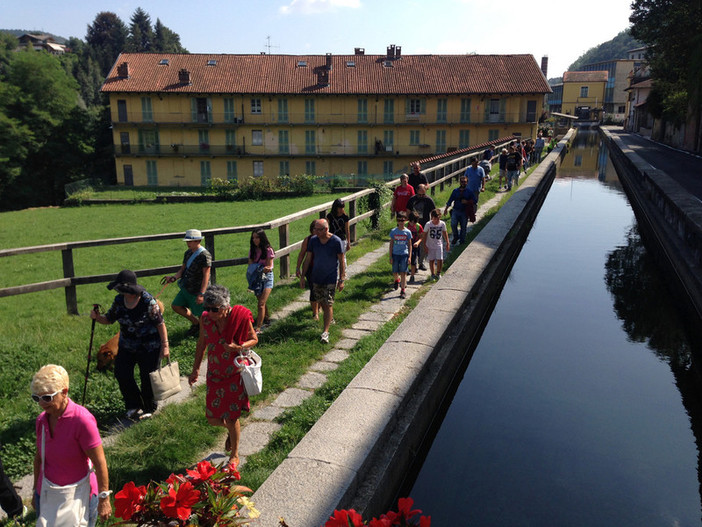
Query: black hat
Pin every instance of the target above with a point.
(126, 282)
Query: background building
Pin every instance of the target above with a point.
(182, 120)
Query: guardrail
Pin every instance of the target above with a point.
(438, 175)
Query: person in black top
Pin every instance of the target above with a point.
(339, 224)
(416, 178)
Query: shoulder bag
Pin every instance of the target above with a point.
(250, 370)
(166, 380)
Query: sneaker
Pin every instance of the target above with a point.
(333, 321)
(396, 285)
(132, 413)
(325, 337)
(433, 277)
(411, 280)
(437, 277)
(147, 415)
(402, 294)
(422, 267)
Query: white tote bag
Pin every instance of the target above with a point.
(251, 372)
(63, 505)
(166, 380)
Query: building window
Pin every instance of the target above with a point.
(415, 106)
(362, 110)
(310, 168)
(621, 109)
(387, 168)
(463, 138)
(309, 111)
(441, 110)
(282, 110)
(440, 141)
(258, 168)
(584, 91)
(310, 142)
(203, 137)
(389, 111)
(229, 110)
(283, 142)
(362, 168)
(388, 140)
(494, 110)
(148, 141)
(232, 172)
(151, 174)
(124, 142)
(362, 142)
(230, 140)
(493, 135)
(256, 106)
(147, 113)
(257, 137)
(284, 168)
(205, 173)
(122, 111)
(465, 110)
(414, 137)
(201, 109)
(128, 176)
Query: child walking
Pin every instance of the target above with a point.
(417, 232)
(400, 252)
(434, 234)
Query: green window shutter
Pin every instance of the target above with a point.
(193, 109)
(423, 106)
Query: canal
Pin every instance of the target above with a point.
(580, 404)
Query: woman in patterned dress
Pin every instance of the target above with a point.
(225, 332)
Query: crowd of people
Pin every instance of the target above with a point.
(69, 452)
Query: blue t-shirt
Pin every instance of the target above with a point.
(475, 180)
(401, 238)
(326, 259)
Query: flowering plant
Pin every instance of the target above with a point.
(402, 518)
(207, 496)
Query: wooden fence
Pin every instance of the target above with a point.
(438, 176)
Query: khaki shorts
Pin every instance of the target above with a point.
(324, 293)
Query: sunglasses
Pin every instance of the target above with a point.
(213, 309)
(47, 398)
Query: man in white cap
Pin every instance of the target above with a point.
(193, 278)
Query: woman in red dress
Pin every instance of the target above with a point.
(225, 332)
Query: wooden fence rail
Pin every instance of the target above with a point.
(438, 176)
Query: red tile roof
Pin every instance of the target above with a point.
(280, 74)
(585, 76)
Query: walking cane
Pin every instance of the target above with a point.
(96, 307)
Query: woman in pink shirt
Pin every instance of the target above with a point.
(68, 448)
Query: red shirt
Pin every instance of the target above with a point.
(402, 196)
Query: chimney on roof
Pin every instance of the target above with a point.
(398, 52)
(123, 70)
(184, 77)
(322, 77)
(544, 65)
(329, 61)
(359, 51)
(391, 52)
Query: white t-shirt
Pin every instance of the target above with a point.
(435, 233)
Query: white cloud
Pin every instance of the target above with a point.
(308, 7)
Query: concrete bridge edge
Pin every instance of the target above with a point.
(358, 452)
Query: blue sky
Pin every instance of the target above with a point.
(562, 30)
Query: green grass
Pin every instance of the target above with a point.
(36, 331)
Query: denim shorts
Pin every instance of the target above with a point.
(268, 280)
(399, 263)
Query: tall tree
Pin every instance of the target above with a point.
(165, 40)
(141, 35)
(106, 36)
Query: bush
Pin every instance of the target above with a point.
(223, 188)
(76, 199)
(254, 189)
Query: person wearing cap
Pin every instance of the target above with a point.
(193, 278)
(143, 341)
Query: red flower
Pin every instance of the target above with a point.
(128, 501)
(203, 473)
(404, 507)
(175, 478)
(179, 504)
(425, 521)
(383, 521)
(345, 518)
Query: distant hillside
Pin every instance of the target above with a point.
(20, 32)
(611, 50)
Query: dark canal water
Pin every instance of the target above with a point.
(580, 405)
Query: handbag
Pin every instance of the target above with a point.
(250, 370)
(166, 380)
(63, 505)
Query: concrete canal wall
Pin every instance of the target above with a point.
(358, 452)
(668, 215)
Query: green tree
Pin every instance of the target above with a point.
(614, 49)
(106, 37)
(673, 31)
(141, 35)
(165, 40)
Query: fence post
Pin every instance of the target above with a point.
(283, 237)
(352, 214)
(210, 246)
(69, 272)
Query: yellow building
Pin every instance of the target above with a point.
(584, 93)
(182, 120)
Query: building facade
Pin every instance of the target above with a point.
(584, 93)
(615, 95)
(183, 120)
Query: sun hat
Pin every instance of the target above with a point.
(192, 235)
(126, 282)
